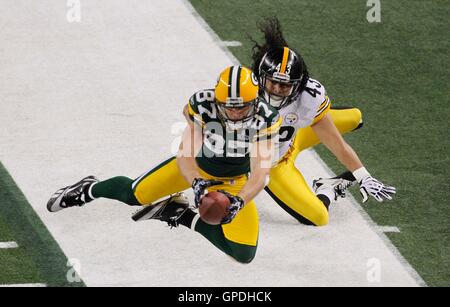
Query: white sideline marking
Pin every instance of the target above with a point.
(386, 229)
(231, 44)
(210, 31)
(6, 245)
(24, 286)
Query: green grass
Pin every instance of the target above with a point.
(15, 266)
(38, 259)
(397, 73)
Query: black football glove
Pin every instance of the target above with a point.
(199, 186)
(236, 204)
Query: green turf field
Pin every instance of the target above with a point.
(396, 72)
(38, 259)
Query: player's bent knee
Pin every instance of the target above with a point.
(321, 219)
(242, 253)
(357, 119)
(244, 259)
(349, 117)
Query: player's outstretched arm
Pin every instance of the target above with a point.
(330, 136)
(191, 143)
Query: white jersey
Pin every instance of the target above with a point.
(309, 107)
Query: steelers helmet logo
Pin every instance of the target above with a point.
(291, 118)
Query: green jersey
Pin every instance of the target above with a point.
(226, 153)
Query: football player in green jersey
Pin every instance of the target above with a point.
(228, 145)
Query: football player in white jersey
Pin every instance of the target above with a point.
(308, 119)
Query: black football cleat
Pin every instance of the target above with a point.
(73, 195)
(168, 210)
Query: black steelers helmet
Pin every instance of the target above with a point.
(284, 66)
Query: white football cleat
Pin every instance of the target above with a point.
(338, 186)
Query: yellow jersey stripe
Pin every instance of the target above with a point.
(285, 60)
(323, 106)
(272, 129)
(320, 117)
(195, 116)
(324, 112)
(190, 110)
(323, 103)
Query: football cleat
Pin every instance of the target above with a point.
(168, 210)
(338, 185)
(73, 195)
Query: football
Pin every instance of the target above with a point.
(214, 207)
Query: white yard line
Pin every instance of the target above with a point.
(7, 245)
(386, 229)
(61, 93)
(23, 286)
(231, 44)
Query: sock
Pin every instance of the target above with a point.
(347, 176)
(118, 188)
(325, 199)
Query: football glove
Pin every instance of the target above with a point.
(236, 204)
(199, 186)
(371, 186)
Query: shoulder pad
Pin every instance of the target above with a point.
(201, 98)
(268, 121)
(202, 106)
(267, 113)
(314, 92)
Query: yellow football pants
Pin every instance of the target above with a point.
(166, 179)
(287, 185)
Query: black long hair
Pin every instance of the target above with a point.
(274, 38)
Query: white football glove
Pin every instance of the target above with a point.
(371, 186)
